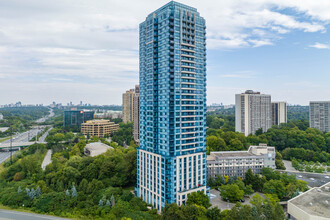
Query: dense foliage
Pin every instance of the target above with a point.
(298, 112)
(124, 135)
(73, 185)
(294, 139)
(282, 186)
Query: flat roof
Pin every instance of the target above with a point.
(224, 154)
(97, 146)
(315, 201)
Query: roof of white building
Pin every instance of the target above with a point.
(97, 148)
(315, 201)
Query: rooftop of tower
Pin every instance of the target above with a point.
(174, 3)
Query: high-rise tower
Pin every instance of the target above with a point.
(319, 115)
(171, 159)
(252, 112)
(279, 113)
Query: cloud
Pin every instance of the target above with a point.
(320, 46)
(96, 42)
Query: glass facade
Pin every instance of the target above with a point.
(171, 159)
(74, 118)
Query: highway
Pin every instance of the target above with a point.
(15, 215)
(43, 119)
(26, 137)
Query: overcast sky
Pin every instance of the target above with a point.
(87, 50)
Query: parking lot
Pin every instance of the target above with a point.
(217, 201)
(313, 179)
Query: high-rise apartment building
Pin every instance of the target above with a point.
(128, 106)
(252, 112)
(171, 159)
(319, 115)
(136, 120)
(279, 113)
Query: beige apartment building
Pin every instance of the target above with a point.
(128, 105)
(131, 110)
(98, 128)
(136, 114)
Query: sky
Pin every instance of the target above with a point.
(87, 50)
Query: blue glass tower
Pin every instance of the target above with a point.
(171, 159)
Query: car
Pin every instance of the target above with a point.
(216, 188)
(327, 177)
(241, 200)
(312, 179)
(300, 176)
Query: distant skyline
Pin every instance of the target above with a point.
(87, 50)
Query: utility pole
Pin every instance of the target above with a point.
(11, 145)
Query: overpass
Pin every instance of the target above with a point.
(17, 145)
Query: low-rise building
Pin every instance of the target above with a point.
(237, 163)
(1, 116)
(311, 205)
(98, 128)
(96, 148)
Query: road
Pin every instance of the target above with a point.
(15, 215)
(313, 179)
(43, 137)
(288, 165)
(43, 119)
(47, 160)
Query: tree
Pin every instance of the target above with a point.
(248, 190)
(172, 212)
(236, 144)
(231, 192)
(213, 213)
(259, 132)
(249, 178)
(240, 212)
(219, 180)
(198, 198)
(275, 187)
(217, 123)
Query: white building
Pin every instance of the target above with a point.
(279, 113)
(237, 163)
(311, 205)
(319, 115)
(1, 116)
(252, 112)
(96, 148)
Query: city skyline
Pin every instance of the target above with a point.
(68, 52)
